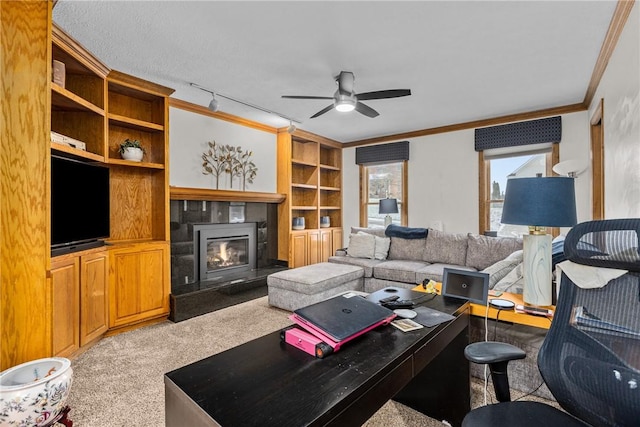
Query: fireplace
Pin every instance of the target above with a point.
(224, 250)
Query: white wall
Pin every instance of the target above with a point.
(620, 89)
(443, 178)
(188, 136)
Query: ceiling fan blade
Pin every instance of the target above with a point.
(366, 110)
(345, 82)
(306, 97)
(383, 94)
(321, 112)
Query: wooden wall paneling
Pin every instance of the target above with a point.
(25, 67)
(131, 203)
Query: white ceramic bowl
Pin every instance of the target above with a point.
(33, 393)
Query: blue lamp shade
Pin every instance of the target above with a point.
(540, 201)
(388, 206)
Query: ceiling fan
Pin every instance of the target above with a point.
(345, 98)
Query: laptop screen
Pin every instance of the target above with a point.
(468, 285)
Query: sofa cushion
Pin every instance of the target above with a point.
(398, 271)
(501, 268)
(366, 264)
(484, 251)
(445, 248)
(406, 249)
(435, 271)
(361, 245)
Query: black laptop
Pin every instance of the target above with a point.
(343, 316)
(467, 285)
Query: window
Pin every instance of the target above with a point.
(495, 171)
(378, 182)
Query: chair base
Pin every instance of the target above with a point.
(520, 413)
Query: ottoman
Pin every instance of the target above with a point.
(299, 287)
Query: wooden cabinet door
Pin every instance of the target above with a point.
(313, 247)
(65, 303)
(336, 239)
(325, 245)
(94, 297)
(298, 246)
(139, 283)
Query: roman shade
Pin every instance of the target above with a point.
(382, 153)
(548, 130)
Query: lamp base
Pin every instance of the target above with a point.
(387, 221)
(537, 269)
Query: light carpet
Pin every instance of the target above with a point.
(120, 380)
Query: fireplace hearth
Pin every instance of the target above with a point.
(226, 267)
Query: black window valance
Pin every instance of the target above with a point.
(383, 153)
(522, 133)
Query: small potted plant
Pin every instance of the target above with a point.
(131, 149)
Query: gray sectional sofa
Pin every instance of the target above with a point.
(409, 262)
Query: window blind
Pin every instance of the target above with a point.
(548, 130)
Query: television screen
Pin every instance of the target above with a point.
(79, 202)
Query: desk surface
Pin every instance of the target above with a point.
(265, 382)
(505, 315)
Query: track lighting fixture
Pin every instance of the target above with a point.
(214, 106)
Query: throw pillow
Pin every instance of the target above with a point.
(445, 248)
(382, 247)
(501, 268)
(361, 245)
(484, 251)
(406, 249)
(513, 282)
(375, 231)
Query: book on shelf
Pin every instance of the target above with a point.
(68, 141)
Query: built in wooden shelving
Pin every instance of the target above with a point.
(184, 193)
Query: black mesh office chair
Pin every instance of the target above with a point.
(590, 359)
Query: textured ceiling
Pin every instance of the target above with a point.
(462, 60)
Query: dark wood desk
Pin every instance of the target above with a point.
(268, 383)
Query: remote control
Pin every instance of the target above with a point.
(389, 299)
(399, 304)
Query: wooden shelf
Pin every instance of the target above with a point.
(75, 153)
(329, 167)
(303, 163)
(183, 193)
(136, 124)
(122, 162)
(303, 208)
(310, 186)
(325, 188)
(329, 208)
(63, 99)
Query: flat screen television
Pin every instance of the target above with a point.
(79, 205)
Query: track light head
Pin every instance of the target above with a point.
(291, 129)
(214, 105)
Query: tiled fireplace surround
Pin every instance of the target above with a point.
(192, 297)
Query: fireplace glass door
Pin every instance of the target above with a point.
(227, 252)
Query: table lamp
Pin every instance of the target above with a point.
(539, 202)
(388, 206)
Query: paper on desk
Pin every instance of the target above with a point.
(430, 317)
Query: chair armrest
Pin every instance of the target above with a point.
(487, 352)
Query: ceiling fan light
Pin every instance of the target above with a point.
(345, 104)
